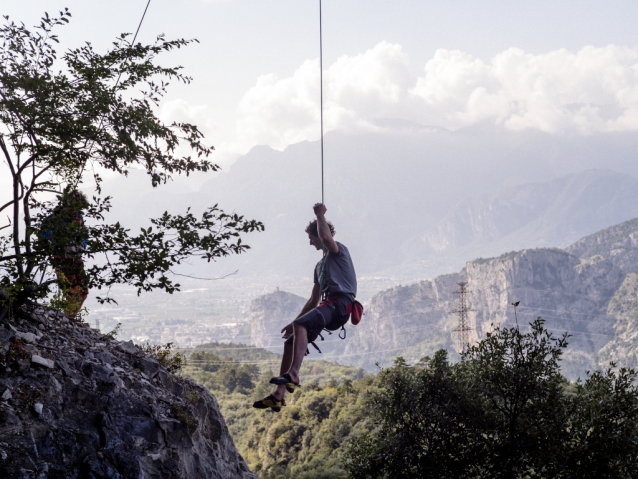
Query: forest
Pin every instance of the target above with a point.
(503, 410)
(307, 438)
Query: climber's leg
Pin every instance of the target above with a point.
(300, 346)
(286, 361)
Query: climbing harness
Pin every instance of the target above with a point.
(354, 309)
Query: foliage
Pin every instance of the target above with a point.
(111, 335)
(61, 116)
(503, 411)
(306, 439)
(172, 361)
(222, 374)
(238, 351)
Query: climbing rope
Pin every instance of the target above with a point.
(139, 25)
(320, 95)
(117, 82)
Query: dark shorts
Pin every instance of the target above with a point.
(330, 317)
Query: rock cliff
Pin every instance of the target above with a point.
(570, 293)
(589, 290)
(76, 404)
(268, 314)
(619, 244)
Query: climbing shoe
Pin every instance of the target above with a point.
(270, 402)
(286, 380)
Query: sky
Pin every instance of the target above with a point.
(563, 67)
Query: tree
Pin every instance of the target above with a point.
(61, 117)
(502, 411)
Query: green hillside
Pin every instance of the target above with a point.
(306, 439)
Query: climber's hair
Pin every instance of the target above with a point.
(311, 229)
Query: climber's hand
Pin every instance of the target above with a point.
(287, 331)
(319, 209)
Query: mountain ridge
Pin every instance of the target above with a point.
(583, 290)
(390, 188)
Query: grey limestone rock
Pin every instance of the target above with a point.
(128, 347)
(268, 314)
(114, 413)
(47, 363)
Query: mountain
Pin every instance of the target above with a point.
(549, 214)
(619, 243)
(269, 314)
(410, 203)
(570, 293)
(589, 290)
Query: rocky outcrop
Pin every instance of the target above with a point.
(618, 244)
(411, 320)
(623, 350)
(572, 294)
(589, 290)
(268, 314)
(569, 293)
(76, 404)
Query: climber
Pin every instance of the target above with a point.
(336, 282)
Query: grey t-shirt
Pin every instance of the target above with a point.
(339, 271)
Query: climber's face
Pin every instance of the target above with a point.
(315, 241)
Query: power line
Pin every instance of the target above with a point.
(268, 361)
(117, 82)
(567, 312)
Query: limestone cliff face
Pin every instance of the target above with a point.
(412, 320)
(589, 290)
(76, 405)
(623, 349)
(268, 314)
(618, 243)
(569, 293)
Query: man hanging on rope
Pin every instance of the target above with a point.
(336, 282)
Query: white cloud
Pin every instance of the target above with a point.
(181, 111)
(592, 90)
(279, 112)
(555, 92)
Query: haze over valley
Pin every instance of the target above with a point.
(474, 193)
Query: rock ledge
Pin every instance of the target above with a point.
(74, 404)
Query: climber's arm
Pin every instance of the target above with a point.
(313, 302)
(324, 230)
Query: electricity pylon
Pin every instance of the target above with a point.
(463, 327)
